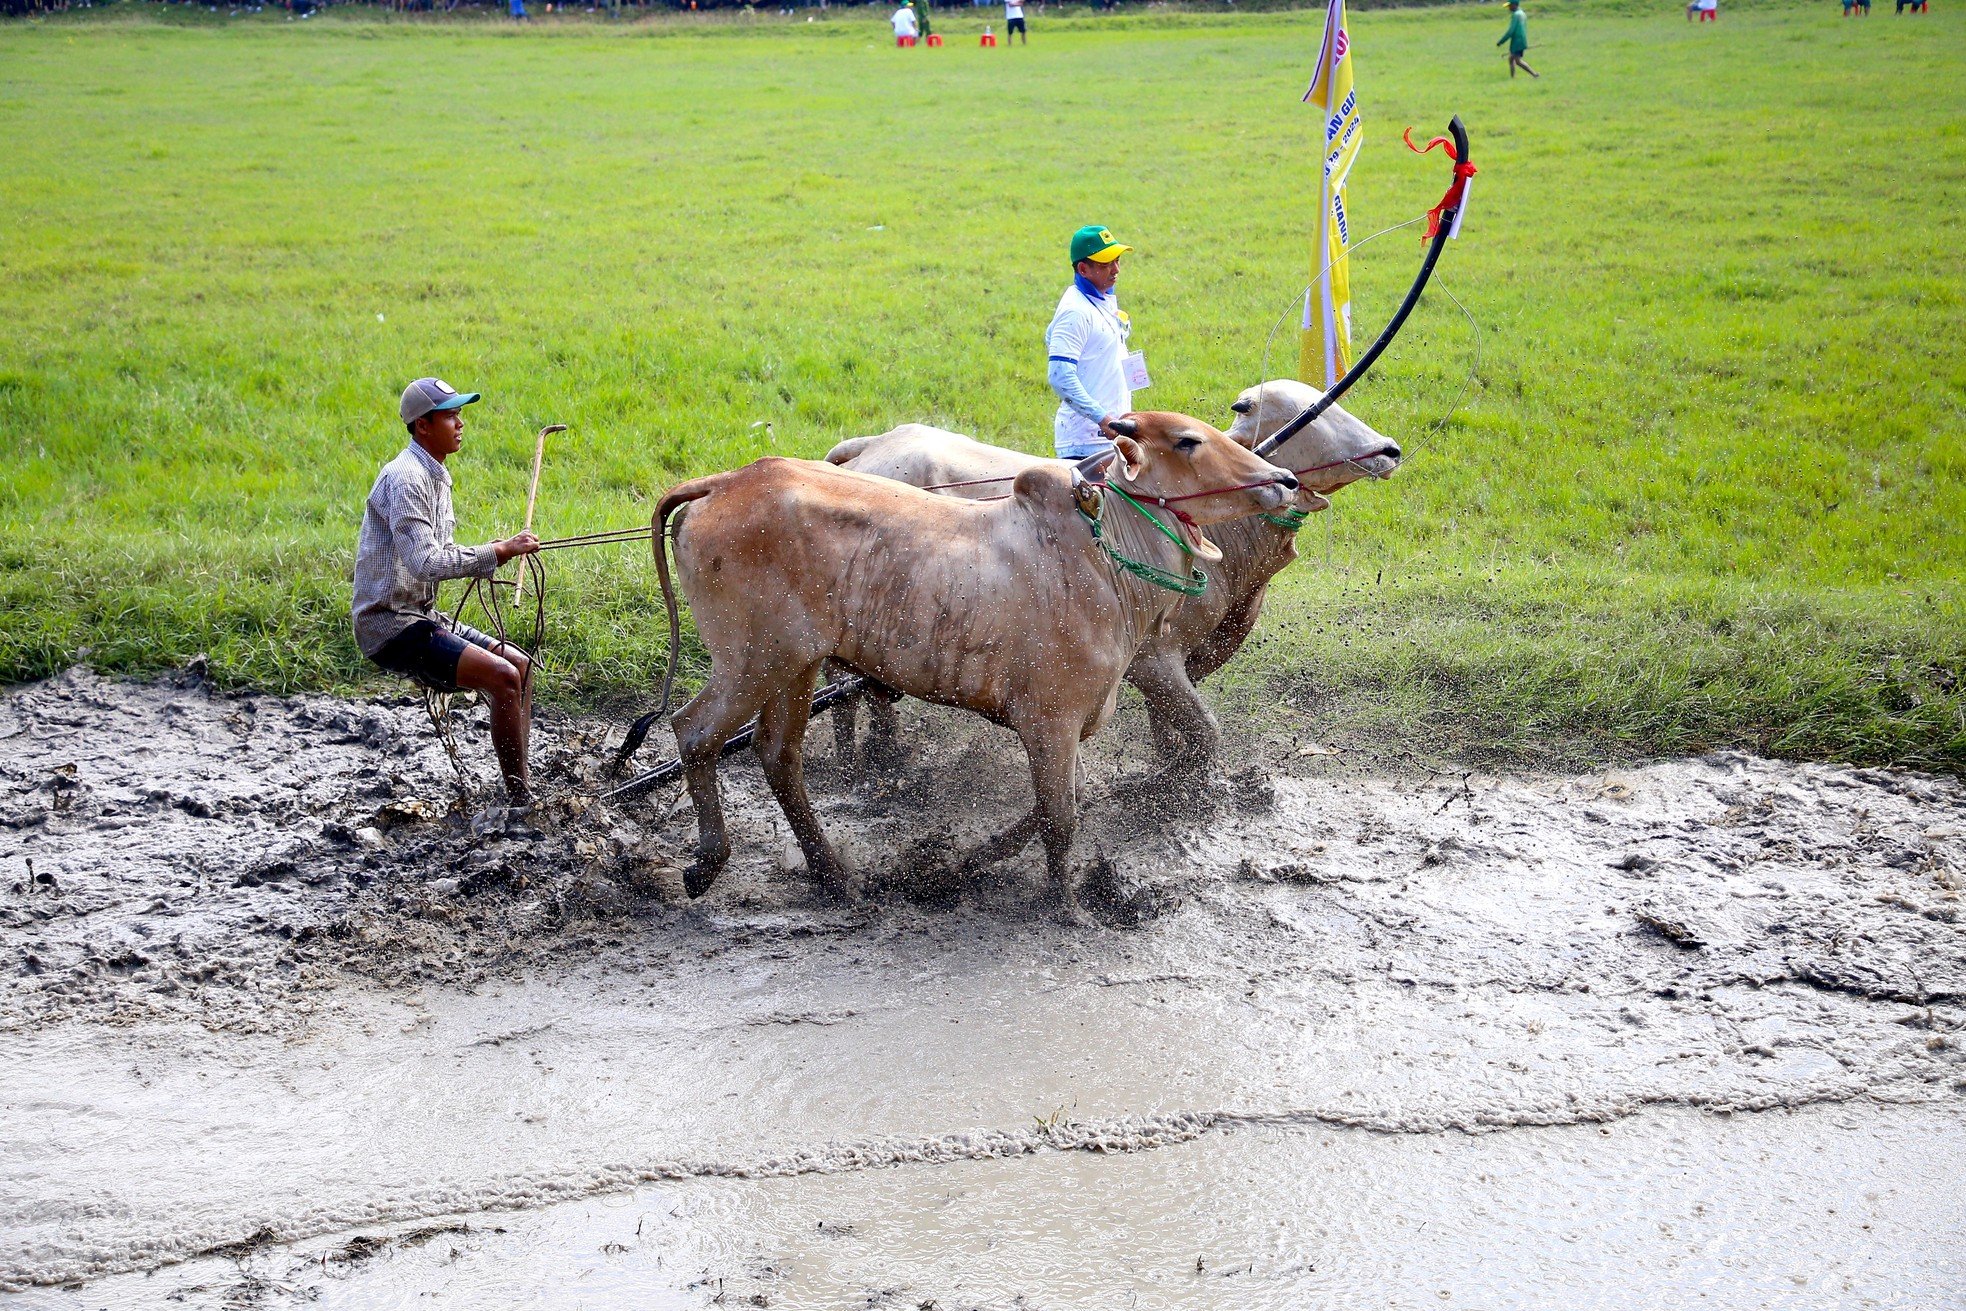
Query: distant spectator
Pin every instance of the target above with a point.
(1706, 11)
(1518, 39)
(1013, 12)
(922, 25)
(904, 27)
(519, 10)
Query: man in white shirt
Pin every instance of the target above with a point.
(1013, 12)
(904, 26)
(1089, 365)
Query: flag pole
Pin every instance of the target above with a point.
(1320, 359)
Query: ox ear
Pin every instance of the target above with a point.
(1133, 457)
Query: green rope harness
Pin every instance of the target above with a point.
(1165, 531)
(1193, 585)
(1290, 520)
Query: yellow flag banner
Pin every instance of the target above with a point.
(1327, 340)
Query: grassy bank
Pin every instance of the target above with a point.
(1705, 488)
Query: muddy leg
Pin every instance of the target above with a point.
(504, 678)
(883, 731)
(702, 728)
(781, 747)
(846, 724)
(1215, 650)
(1185, 733)
(1054, 753)
(1005, 845)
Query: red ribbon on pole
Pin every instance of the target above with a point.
(1462, 172)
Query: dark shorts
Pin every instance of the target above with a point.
(1016, 25)
(428, 654)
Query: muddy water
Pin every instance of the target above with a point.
(1816, 1208)
(1697, 1024)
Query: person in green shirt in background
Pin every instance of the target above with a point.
(921, 18)
(1518, 38)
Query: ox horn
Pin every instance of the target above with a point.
(1125, 427)
(1243, 407)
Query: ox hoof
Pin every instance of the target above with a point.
(1135, 908)
(700, 875)
(1174, 755)
(1074, 915)
(1188, 789)
(843, 885)
(1117, 906)
(1066, 906)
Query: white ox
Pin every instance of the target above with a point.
(1333, 451)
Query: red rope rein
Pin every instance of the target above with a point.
(1164, 502)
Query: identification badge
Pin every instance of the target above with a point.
(1136, 371)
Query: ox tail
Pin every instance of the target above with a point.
(850, 449)
(681, 494)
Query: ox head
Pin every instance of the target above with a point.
(1197, 469)
(1336, 449)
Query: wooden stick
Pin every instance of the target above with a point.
(532, 496)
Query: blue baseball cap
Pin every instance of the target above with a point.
(428, 395)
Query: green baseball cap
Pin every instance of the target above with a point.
(1096, 244)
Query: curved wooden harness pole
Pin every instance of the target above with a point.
(1447, 218)
(532, 496)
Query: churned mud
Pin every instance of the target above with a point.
(285, 1020)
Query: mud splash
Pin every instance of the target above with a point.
(265, 983)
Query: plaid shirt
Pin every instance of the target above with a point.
(406, 550)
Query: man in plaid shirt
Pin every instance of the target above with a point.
(406, 549)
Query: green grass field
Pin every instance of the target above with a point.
(1706, 486)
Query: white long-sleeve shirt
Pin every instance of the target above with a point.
(405, 549)
(1090, 337)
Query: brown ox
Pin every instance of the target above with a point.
(1010, 608)
(1334, 451)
